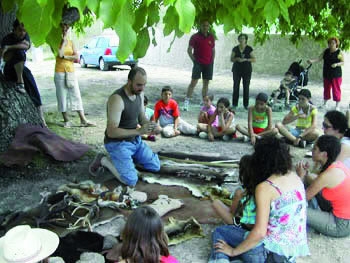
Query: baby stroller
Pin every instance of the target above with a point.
(300, 80)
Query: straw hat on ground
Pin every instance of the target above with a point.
(23, 244)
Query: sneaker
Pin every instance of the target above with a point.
(302, 144)
(20, 88)
(96, 167)
(151, 138)
(186, 105)
(203, 135)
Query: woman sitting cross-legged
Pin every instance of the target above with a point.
(331, 215)
(280, 226)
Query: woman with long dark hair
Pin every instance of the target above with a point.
(331, 187)
(335, 123)
(280, 226)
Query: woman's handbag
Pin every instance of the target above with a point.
(70, 79)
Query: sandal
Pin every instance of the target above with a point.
(96, 167)
(87, 124)
(20, 88)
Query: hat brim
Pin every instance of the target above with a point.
(49, 243)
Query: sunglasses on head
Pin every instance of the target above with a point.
(326, 126)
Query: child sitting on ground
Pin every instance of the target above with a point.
(207, 110)
(167, 113)
(259, 120)
(305, 115)
(240, 217)
(225, 128)
(144, 239)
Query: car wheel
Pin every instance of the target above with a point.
(103, 65)
(82, 62)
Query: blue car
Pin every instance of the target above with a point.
(101, 52)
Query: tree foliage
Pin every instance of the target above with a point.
(135, 20)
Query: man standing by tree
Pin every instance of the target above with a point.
(201, 50)
(122, 137)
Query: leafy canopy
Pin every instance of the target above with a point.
(135, 20)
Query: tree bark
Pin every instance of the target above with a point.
(6, 21)
(15, 109)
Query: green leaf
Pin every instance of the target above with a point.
(42, 22)
(93, 5)
(271, 11)
(80, 4)
(42, 3)
(7, 5)
(170, 20)
(284, 11)
(53, 38)
(142, 45)
(57, 13)
(148, 2)
(125, 31)
(187, 14)
(153, 14)
(140, 18)
(169, 2)
(109, 11)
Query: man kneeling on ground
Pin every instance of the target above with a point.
(122, 138)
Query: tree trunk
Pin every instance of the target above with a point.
(15, 108)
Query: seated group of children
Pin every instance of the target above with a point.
(218, 122)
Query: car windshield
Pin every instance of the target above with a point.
(113, 42)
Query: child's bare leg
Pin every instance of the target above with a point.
(19, 71)
(205, 87)
(202, 127)
(271, 132)
(230, 131)
(223, 211)
(287, 96)
(203, 118)
(242, 130)
(312, 136)
(285, 132)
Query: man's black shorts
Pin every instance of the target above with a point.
(205, 70)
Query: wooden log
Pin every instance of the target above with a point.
(232, 164)
(205, 157)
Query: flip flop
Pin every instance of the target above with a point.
(95, 166)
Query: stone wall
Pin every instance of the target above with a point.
(273, 57)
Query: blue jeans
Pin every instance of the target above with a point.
(234, 235)
(123, 155)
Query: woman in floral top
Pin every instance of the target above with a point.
(280, 206)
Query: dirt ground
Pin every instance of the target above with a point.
(20, 188)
